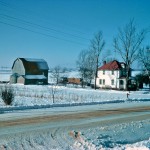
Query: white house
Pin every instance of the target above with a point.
(112, 75)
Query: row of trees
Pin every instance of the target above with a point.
(127, 43)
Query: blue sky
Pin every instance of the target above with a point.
(57, 30)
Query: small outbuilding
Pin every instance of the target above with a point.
(29, 71)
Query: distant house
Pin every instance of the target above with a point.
(29, 71)
(112, 75)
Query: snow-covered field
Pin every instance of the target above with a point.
(118, 136)
(31, 95)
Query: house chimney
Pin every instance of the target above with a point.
(104, 62)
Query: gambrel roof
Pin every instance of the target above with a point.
(33, 64)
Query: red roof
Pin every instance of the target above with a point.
(113, 65)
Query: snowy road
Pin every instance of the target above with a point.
(87, 116)
(55, 125)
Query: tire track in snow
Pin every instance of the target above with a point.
(61, 137)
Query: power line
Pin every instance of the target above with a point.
(40, 33)
(28, 10)
(43, 27)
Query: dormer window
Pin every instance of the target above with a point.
(122, 65)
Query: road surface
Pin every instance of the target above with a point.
(74, 115)
(56, 121)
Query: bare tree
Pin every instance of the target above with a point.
(97, 45)
(128, 43)
(91, 65)
(53, 91)
(108, 56)
(144, 58)
(81, 64)
(85, 64)
(56, 73)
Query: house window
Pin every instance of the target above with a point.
(103, 81)
(112, 72)
(121, 82)
(112, 82)
(100, 81)
(103, 71)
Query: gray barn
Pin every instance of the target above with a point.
(29, 71)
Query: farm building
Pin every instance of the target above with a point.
(72, 77)
(113, 75)
(29, 71)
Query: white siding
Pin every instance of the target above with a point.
(18, 67)
(108, 77)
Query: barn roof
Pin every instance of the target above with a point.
(34, 64)
(113, 65)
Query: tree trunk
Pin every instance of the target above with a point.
(95, 82)
(53, 98)
(127, 78)
(96, 71)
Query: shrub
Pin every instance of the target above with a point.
(7, 95)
